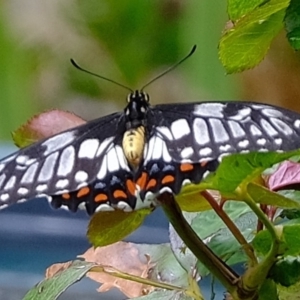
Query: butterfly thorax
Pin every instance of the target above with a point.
(135, 120)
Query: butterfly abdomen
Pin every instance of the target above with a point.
(133, 145)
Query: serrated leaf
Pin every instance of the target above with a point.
(237, 169)
(286, 271)
(109, 227)
(262, 195)
(44, 125)
(238, 8)
(292, 24)
(53, 287)
(244, 45)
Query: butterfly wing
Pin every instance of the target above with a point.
(210, 130)
(64, 162)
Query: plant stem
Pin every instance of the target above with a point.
(231, 226)
(216, 266)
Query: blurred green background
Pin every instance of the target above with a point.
(130, 41)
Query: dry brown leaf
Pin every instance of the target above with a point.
(56, 268)
(124, 257)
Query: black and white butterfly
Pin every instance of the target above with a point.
(125, 160)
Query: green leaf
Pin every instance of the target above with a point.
(244, 45)
(108, 227)
(290, 240)
(238, 169)
(53, 287)
(213, 223)
(286, 271)
(238, 8)
(262, 195)
(268, 290)
(292, 24)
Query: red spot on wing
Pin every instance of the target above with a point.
(130, 187)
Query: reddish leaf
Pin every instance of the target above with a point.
(285, 177)
(44, 125)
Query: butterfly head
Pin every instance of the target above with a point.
(136, 109)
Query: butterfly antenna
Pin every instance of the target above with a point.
(172, 67)
(99, 76)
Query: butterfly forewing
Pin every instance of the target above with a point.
(210, 130)
(62, 163)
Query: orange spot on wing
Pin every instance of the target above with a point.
(167, 179)
(186, 167)
(119, 194)
(66, 196)
(130, 187)
(83, 191)
(151, 184)
(142, 180)
(101, 198)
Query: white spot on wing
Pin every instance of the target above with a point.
(224, 148)
(29, 175)
(58, 141)
(261, 142)
(47, 170)
(201, 133)
(236, 129)
(112, 160)
(2, 167)
(22, 191)
(297, 123)
(219, 132)
(4, 197)
(271, 112)
(187, 152)
(81, 176)
(66, 161)
(209, 110)
(104, 207)
(158, 147)
(180, 128)
(278, 141)
(88, 148)
(123, 206)
(243, 144)
(41, 187)
(268, 127)
(10, 183)
(150, 149)
(62, 183)
(255, 130)
(205, 151)
(281, 126)
(21, 159)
